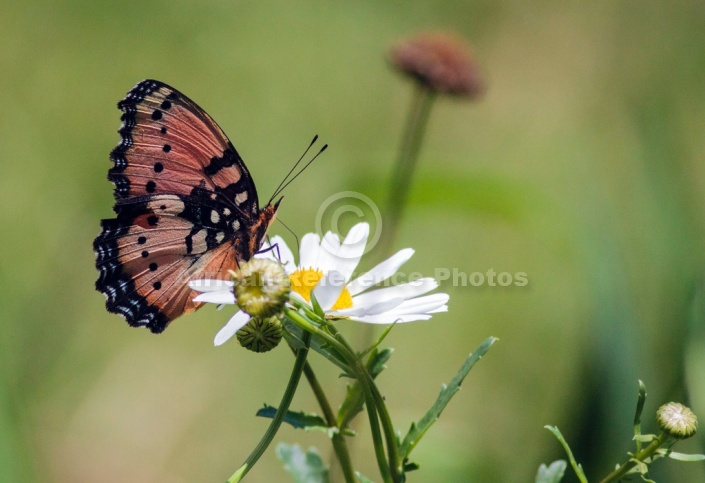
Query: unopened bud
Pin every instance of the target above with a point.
(260, 334)
(677, 420)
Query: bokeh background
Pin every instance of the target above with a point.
(582, 166)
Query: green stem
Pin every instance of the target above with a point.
(377, 401)
(392, 447)
(406, 164)
(642, 455)
(339, 444)
(288, 396)
(362, 377)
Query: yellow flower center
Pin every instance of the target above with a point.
(304, 280)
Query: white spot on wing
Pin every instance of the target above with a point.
(240, 198)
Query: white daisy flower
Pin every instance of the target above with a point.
(326, 267)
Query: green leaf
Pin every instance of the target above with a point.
(316, 306)
(362, 478)
(553, 473)
(354, 399)
(351, 406)
(303, 467)
(577, 468)
(294, 418)
(644, 438)
(378, 359)
(686, 457)
(637, 416)
(418, 429)
(379, 340)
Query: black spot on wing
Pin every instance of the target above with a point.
(117, 286)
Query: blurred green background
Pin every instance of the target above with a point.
(582, 166)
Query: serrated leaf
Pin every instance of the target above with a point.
(418, 429)
(351, 406)
(378, 359)
(577, 468)
(297, 419)
(686, 457)
(303, 467)
(552, 473)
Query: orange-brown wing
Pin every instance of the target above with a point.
(170, 145)
(149, 253)
(186, 208)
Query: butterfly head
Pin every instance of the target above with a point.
(259, 229)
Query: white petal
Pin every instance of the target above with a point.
(406, 291)
(424, 305)
(328, 289)
(352, 249)
(419, 308)
(443, 308)
(308, 252)
(374, 309)
(220, 297)
(380, 272)
(327, 260)
(389, 319)
(236, 322)
(210, 285)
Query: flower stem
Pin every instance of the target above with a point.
(340, 446)
(362, 376)
(389, 434)
(376, 401)
(406, 163)
(288, 396)
(647, 452)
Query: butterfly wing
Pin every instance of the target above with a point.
(186, 208)
(170, 145)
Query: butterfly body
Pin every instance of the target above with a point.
(186, 208)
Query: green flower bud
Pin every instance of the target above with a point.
(261, 287)
(260, 334)
(676, 420)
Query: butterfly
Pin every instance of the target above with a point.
(186, 208)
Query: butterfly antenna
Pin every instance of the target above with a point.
(281, 188)
(298, 245)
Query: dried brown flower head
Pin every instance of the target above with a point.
(441, 61)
